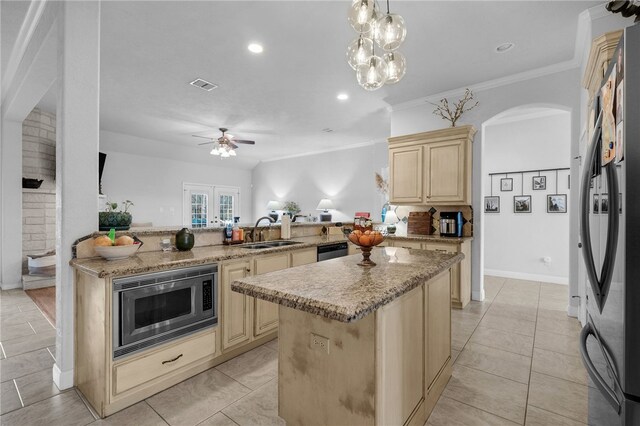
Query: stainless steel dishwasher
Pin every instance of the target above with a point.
(331, 251)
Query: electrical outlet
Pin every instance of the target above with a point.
(319, 343)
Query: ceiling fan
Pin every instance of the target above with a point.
(225, 145)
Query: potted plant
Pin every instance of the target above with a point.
(112, 217)
(292, 208)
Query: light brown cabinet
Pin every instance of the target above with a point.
(431, 168)
(438, 326)
(460, 272)
(236, 307)
(266, 313)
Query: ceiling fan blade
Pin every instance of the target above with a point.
(243, 141)
(206, 143)
(232, 145)
(203, 137)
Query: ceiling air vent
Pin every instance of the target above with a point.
(327, 130)
(204, 85)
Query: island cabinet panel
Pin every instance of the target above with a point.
(304, 257)
(388, 368)
(406, 171)
(400, 357)
(438, 340)
(408, 244)
(266, 313)
(236, 307)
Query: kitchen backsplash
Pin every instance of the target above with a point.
(467, 215)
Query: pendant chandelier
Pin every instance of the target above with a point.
(387, 32)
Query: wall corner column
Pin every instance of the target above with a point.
(77, 140)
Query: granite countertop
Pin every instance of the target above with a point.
(156, 261)
(434, 238)
(341, 290)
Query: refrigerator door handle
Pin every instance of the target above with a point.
(600, 286)
(608, 393)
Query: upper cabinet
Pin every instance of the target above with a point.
(432, 168)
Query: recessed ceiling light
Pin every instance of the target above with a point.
(255, 48)
(342, 96)
(505, 47)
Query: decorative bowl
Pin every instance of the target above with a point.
(366, 240)
(117, 252)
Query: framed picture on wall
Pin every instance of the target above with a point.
(557, 203)
(506, 184)
(596, 204)
(539, 183)
(492, 204)
(522, 204)
(604, 203)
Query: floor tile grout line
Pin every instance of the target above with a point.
(473, 406)
(4, 354)
(499, 349)
(495, 375)
(52, 356)
(526, 403)
(34, 330)
(559, 415)
(564, 380)
(18, 391)
(88, 406)
(159, 415)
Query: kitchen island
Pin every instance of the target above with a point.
(361, 345)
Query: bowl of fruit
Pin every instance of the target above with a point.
(366, 240)
(116, 248)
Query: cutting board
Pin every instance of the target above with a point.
(419, 223)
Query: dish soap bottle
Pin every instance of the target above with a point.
(228, 230)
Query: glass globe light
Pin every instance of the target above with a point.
(359, 51)
(396, 66)
(361, 14)
(373, 33)
(214, 150)
(392, 31)
(373, 74)
(232, 152)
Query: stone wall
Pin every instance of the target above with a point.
(39, 162)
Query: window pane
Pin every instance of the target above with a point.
(199, 214)
(226, 207)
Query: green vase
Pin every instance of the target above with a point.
(185, 240)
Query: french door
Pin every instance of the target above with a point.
(209, 205)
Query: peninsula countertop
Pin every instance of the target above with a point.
(155, 261)
(341, 290)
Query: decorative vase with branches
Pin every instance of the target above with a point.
(459, 108)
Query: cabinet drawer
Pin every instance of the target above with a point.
(304, 257)
(445, 247)
(408, 244)
(130, 374)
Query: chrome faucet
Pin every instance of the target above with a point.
(252, 234)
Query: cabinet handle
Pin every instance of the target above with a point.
(248, 270)
(172, 360)
(441, 250)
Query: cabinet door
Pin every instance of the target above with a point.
(445, 176)
(304, 257)
(266, 313)
(236, 307)
(405, 171)
(438, 325)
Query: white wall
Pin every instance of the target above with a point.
(346, 177)
(516, 243)
(154, 183)
(560, 89)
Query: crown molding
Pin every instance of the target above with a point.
(324, 151)
(491, 84)
(517, 117)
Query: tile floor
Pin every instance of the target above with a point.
(516, 362)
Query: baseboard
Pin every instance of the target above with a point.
(477, 295)
(62, 379)
(32, 282)
(530, 277)
(572, 311)
(10, 286)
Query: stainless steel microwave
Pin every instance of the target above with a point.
(155, 308)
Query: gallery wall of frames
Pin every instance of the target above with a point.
(515, 188)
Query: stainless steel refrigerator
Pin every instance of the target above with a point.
(610, 237)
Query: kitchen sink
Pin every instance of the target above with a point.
(269, 244)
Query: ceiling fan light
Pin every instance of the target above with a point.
(361, 14)
(372, 75)
(232, 152)
(392, 31)
(359, 51)
(396, 66)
